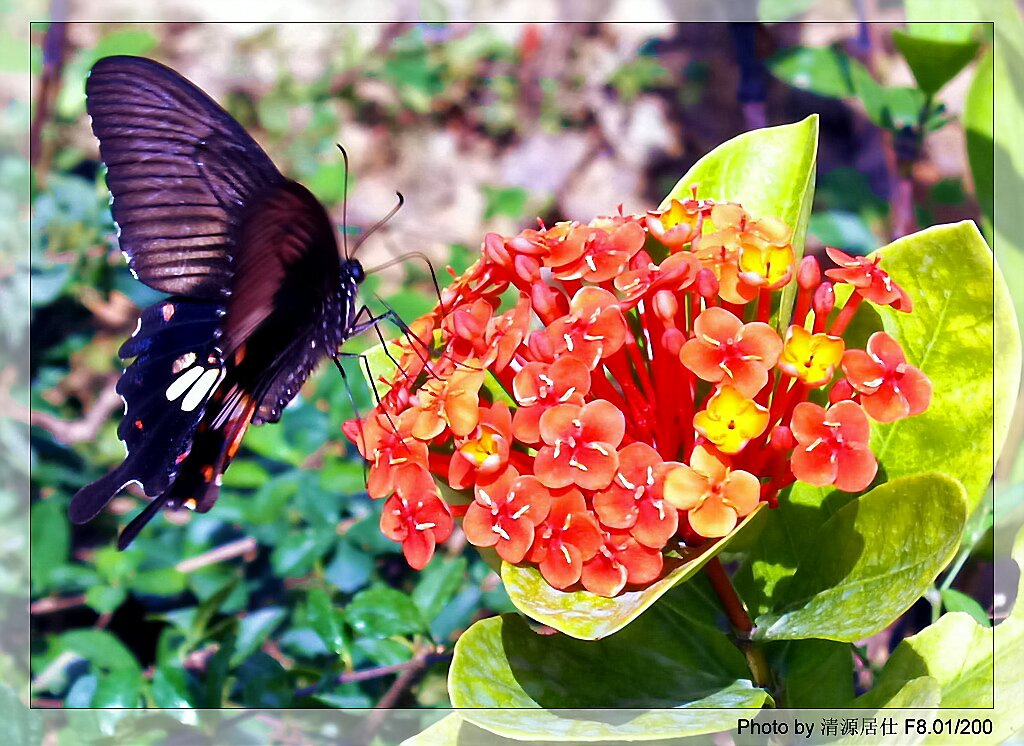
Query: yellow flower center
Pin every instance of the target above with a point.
(730, 420)
(811, 357)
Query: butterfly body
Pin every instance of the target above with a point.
(259, 294)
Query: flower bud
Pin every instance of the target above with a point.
(824, 300)
(782, 438)
(841, 391)
(543, 299)
(527, 268)
(808, 276)
(707, 284)
(665, 306)
(494, 248)
(673, 340)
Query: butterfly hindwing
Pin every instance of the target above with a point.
(180, 171)
(177, 367)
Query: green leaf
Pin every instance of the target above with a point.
(842, 229)
(935, 52)
(100, 648)
(821, 70)
(948, 272)
(383, 612)
(977, 121)
(51, 539)
(586, 615)
(326, 620)
(813, 673)
(245, 473)
(956, 651)
(921, 692)
(163, 581)
(507, 201)
(253, 630)
(770, 172)
(955, 601)
(118, 689)
(169, 688)
(210, 607)
(437, 583)
(869, 562)
(660, 661)
(350, 568)
(104, 598)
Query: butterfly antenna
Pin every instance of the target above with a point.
(344, 204)
(380, 223)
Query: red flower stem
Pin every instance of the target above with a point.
(803, 305)
(663, 441)
(521, 461)
(764, 305)
(846, 315)
(439, 463)
(640, 365)
(741, 624)
(639, 407)
(736, 309)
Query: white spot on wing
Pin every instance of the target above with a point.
(197, 394)
(182, 382)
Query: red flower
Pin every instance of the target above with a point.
(868, 279)
(832, 446)
(621, 559)
(714, 495)
(483, 454)
(567, 538)
(539, 386)
(596, 253)
(890, 389)
(387, 444)
(580, 445)
(505, 512)
(631, 501)
(676, 272)
(418, 518)
(724, 349)
(594, 327)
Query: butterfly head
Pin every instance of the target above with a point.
(352, 270)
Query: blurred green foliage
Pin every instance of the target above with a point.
(310, 592)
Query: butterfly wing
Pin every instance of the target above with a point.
(181, 172)
(289, 305)
(177, 364)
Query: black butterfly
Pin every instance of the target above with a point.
(258, 292)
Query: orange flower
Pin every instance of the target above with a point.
(539, 386)
(580, 445)
(483, 454)
(453, 402)
(714, 496)
(504, 513)
(730, 420)
(724, 349)
(594, 327)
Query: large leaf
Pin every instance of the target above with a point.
(812, 673)
(666, 660)
(956, 651)
(770, 172)
(978, 112)
(935, 54)
(948, 272)
(587, 616)
(869, 562)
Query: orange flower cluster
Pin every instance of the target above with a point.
(600, 395)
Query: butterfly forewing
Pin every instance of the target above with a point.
(180, 171)
(250, 258)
